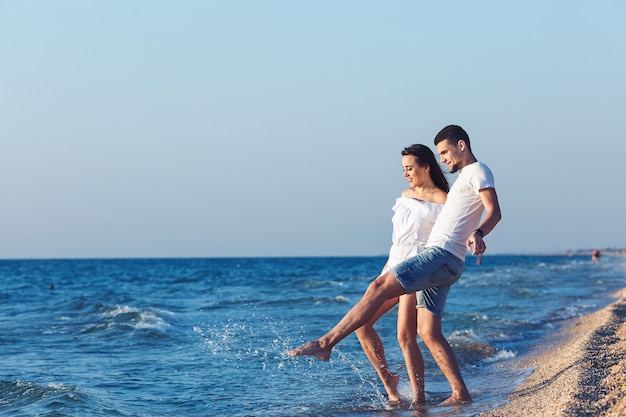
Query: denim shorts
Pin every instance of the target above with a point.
(433, 267)
(433, 299)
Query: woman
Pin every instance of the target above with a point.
(414, 215)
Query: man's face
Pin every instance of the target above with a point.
(450, 154)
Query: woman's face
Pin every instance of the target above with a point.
(412, 171)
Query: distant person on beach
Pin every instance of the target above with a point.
(595, 256)
(458, 227)
(415, 213)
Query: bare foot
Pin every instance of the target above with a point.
(313, 348)
(391, 386)
(401, 404)
(458, 400)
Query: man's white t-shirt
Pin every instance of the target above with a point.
(463, 210)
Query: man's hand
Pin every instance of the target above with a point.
(476, 244)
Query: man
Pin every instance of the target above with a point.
(458, 227)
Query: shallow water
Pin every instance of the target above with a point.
(207, 337)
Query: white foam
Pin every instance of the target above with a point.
(143, 318)
(119, 310)
(501, 355)
(151, 321)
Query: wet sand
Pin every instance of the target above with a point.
(581, 372)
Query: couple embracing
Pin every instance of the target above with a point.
(433, 227)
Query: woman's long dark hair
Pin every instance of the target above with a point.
(424, 156)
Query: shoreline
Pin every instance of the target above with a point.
(581, 371)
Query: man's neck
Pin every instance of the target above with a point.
(468, 160)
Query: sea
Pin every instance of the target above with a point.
(209, 337)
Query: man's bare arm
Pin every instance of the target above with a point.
(489, 198)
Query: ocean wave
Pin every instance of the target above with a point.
(500, 355)
(23, 393)
(140, 318)
(571, 310)
(304, 301)
(115, 320)
(339, 299)
(58, 399)
(469, 348)
(310, 283)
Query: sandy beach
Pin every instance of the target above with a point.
(581, 371)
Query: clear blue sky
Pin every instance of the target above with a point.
(274, 128)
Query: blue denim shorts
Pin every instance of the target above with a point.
(433, 299)
(433, 267)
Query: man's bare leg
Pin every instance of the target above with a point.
(429, 329)
(375, 352)
(384, 287)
